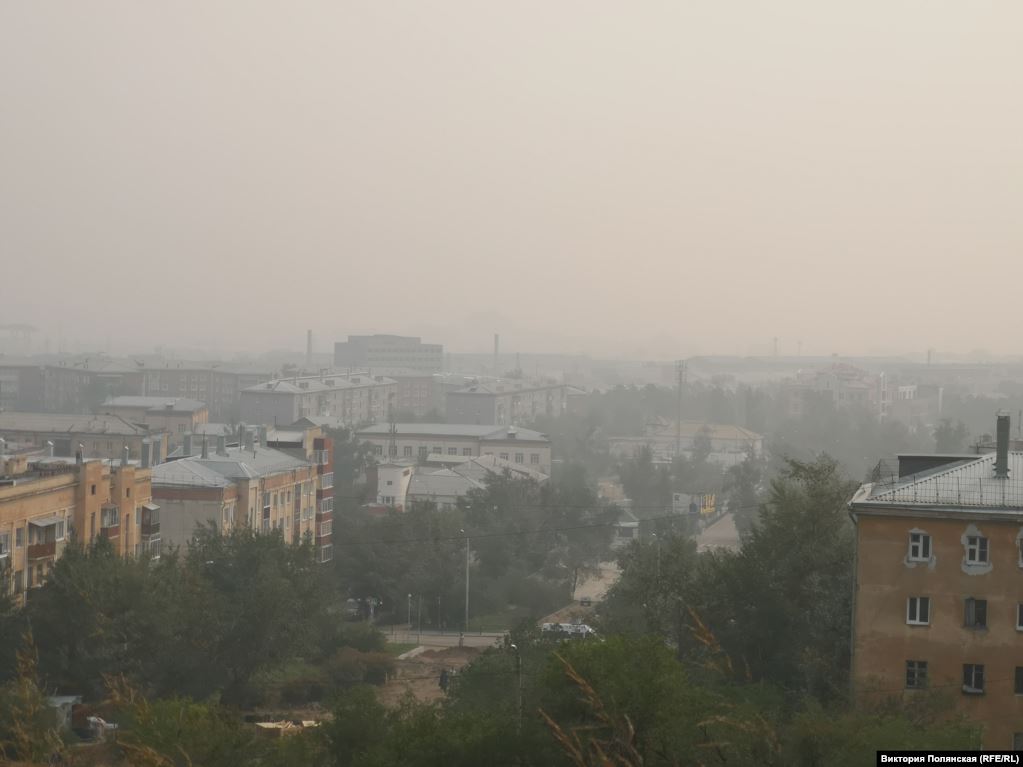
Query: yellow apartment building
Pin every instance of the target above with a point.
(47, 502)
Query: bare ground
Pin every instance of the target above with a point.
(420, 675)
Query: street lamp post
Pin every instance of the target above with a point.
(410, 612)
(420, 619)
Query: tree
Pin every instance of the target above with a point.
(26, 725)
(782, 604)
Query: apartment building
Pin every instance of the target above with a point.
(939, 585)
(729, 444)
(175, 415)
(245, 485)
(218, 385)
(96, 436)
(46, 502)
(380, 351)
(420, 440)
(355, 399)
(310, 444)
(62, 385)
(506, 402)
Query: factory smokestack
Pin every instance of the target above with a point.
(308, 350)
(497, 349)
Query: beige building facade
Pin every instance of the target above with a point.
(45, 503)
(939, 587)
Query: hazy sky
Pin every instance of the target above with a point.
(640, 178)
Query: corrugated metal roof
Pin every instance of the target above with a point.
(476, 431)
(969, 483)
(177, 404)
(72, 424)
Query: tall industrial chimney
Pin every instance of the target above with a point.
(308, 350)
(1002, 447)
(497, 349)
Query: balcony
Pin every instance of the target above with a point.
(46, 550)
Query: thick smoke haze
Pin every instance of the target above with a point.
(641, 179)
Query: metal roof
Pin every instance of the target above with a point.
(965, 484)
(156, 404)
(486, 432)
(222, 470)
(54, 423)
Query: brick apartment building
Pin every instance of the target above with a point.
(100, 436)
(46, 502)
(251, 485)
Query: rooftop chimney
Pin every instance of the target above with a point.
(262, 435)
(49, 448)
(147, 454)
(125, 452)
(186, 445)
(80, 454)
(248, 441)
(222, 445)
(1002, 447)
(309, 350)
(206, 447)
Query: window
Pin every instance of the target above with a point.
(916, 674)
(973, 679)
(423, 452)
(109, 517)
(919, 547)
(19, 537)
(438, 451)
(534, 458)
(266, 501)
(407, 451)
(327, 481)
(504, 456)
(452, 451)
(326, 553)
(976, 550)
(918, 611)
(390, 482)
(975, 613)
(326, 527)
(138, 516)
(60, 530)
(5, 544)
(92, 490)
(326, 504)
(467, 451)
(378, 449)
(392, 451)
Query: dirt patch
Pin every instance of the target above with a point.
(421, 675)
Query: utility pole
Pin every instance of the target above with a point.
(518, 668)
(680, 372)
(466, 630)
(410, 613)
(420, 619)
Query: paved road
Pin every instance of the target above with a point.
(437, 639)
(720, 535)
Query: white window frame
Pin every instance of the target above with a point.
(5, 544)
(915, 606)
(59, 533)
(971, 688)
(976, 546)
(327, 480)
(326, 504)
(970, 613)
(919, 547)
(326, 527)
